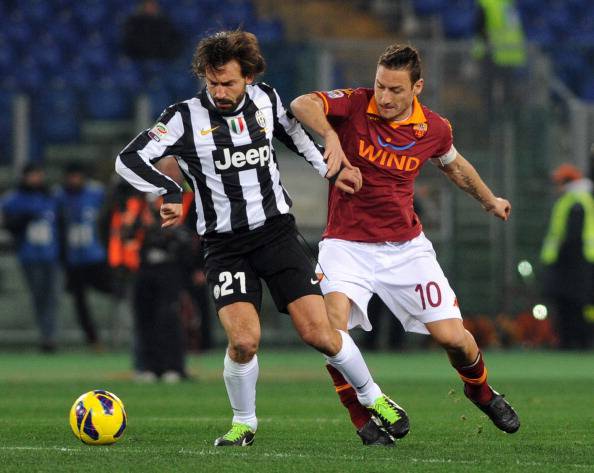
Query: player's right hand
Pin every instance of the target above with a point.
(349, 180)
(171, 214)
(500, 207)
(334, 155)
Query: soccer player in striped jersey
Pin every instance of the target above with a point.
(373, 242)
(222, 141)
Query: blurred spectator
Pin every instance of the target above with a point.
(501, 44)
(568, 254)
(124, 205)
(157, 290)
(30, 214)
(83, 253)
(150, 34)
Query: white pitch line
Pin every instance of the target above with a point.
(319, 420)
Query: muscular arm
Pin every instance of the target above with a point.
(309, 110)
(465, 176)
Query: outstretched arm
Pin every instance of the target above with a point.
(309, 110)
(465, 176)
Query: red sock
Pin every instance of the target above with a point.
(475, 381)
(348, 397)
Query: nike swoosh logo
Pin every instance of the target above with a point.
(394, 147)
(210, 130)
(358, 388)
(314, 281)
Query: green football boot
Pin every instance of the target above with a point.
(392, 417)
(240, 435)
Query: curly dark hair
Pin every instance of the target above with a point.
(216, 50)
(398, 57)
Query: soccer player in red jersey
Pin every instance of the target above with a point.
(374, 241)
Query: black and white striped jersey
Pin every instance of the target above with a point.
(227, 158)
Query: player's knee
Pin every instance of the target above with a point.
(243, 350)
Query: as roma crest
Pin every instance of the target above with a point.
(420, 129)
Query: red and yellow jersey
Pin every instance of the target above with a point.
(389, 155)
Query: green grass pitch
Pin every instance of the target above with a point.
(302, 426)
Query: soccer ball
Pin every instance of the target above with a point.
(98, 418)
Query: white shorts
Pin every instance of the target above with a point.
(406, 276)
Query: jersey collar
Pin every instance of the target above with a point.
(417, 115)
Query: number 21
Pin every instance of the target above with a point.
(226, 278)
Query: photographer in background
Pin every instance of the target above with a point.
(30, 214)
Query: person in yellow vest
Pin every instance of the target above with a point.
(568, 256)
(502, 46)
(502, 29)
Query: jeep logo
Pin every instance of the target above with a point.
(240, 158)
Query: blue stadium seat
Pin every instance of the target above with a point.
(56, 99)
(36, 154)
(429, 7)
(77, 75)
(268, 30)
(582, 32)
(107, 101)
(126, 75)
(10, 82)
(558, 18)
(239, 12)
(6, 98)
(7, 56)
(586, 88)
(55, 112)
(538, 31)
(160, 97)
(36, 11)
(19, 31)
(64, 32)
(30, 75)
(91, 13)
(182, 83)
(571, 67)
(212, 5)
(529, 6)
(48, 54)
(459, 20)
(96, 54)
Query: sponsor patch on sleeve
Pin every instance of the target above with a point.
(335, 94)
(158, 131)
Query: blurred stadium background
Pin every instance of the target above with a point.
(68, 92)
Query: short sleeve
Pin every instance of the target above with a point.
(445, 152)
(337, 103)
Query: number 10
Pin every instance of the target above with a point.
(429, 294)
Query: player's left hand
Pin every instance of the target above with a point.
(349, 180)
(171, 214)
(499, 207)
